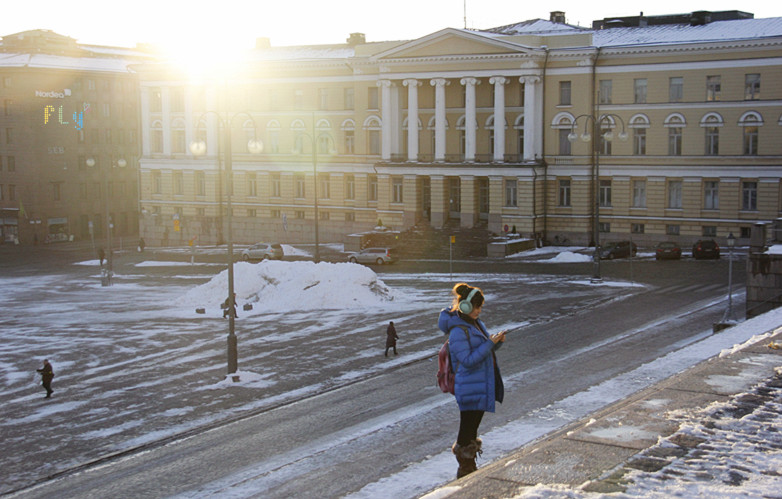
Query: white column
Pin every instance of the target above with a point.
(385, 106)
(469, 118)
(145, 136)
(212, 132)
(189, 128)
(499, 117)
(532, 139)
(412, 118)
(439, 118)
(166, 118)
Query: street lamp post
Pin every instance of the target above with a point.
(109, 272)
(586, 136)
(198, 148)
(314, 139)
(731, 244)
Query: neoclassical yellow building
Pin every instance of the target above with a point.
(653, 128)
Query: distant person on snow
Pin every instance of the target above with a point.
(101, 255)
(477, 381)
(391, 337)
(47, 374)
(226, 307)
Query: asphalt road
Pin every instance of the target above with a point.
(348, 431)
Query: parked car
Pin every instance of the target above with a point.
(618, 249)
(372, 255)
(706, 248)
(667, 250)
(263, 251)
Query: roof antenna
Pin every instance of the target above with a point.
(465, 14)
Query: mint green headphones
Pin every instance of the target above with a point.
(465, 306)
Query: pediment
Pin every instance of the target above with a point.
(452, 42)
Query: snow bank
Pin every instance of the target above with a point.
(569, 257)
(287, 286)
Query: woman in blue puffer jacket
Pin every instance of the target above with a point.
(478, 383)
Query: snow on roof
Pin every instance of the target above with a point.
(534, 26)
(109, 64)
(305, 52)
(744, 29)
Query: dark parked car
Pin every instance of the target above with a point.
(372, 255)
(668, 250)
(618, 249)
(706, 248)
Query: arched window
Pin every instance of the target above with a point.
(751, 121)
(711, 123)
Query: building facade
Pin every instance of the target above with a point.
(69, 141)
(519, 126)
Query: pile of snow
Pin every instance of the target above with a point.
(569, 257)
(287, 286)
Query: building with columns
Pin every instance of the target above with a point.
(517, 126)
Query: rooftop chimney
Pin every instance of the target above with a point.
(558, 17)
(263, 43)
(356, 39)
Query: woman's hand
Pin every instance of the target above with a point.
(499, 337)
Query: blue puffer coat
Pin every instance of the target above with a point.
(478, 382)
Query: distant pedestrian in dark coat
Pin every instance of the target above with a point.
(227, 309)
(47, 374)
(101, 255)
(391, 337)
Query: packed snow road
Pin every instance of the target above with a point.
(318, 408)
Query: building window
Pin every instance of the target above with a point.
(676, 89)
(752, 86)
(350, 187)
(10, 163)
(374, 142)
(605, 193)
(639, 86)
(749, 196)
(606, 89)
(397, 190)
(325, 186)
(511, 192)
(372, 191)
(712, 141)
(323, 215)
(713, 88)
(178, 187)
(565, 146)
(275, 214)
(299, 214)
(252, 212)
(746, 232)
(372, 98)
(298, 99)
(709, 231)
(564, 193)
(155, 98)
(711, 195)
(637, 228)
(252, 184)
(157, 183)
(9, 135)
(675, 194)
(564, 93)
(675, 141)
(323, 98)
(350, 141)
(300, 187)
(200, 183)
(751, 140)
(56, 191)
(639, 194)
(604, 227)
(672, 230)
(350, 98)
(8, 106)
(157, 140)
(605, 145)
(350, 217)
(639, 141)
(11, 192)
(276, 185)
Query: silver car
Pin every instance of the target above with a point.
(263, 251)
(372, 255)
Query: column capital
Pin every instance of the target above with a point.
(411, 82)
(529, 79)
(470, 81)
(498, 80)
(439, 82)
(385, 83)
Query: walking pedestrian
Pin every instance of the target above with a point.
(101, 255)
(478, 383)
(227, 309)
(47, 374)
(141, 245)
(391, 337)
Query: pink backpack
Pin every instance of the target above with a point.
(445, 373)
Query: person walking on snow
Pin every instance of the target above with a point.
(47, 374)
(477, 382)
(391, 337)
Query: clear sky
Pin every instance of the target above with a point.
(204, 25)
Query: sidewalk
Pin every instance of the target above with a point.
(713, 430)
